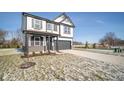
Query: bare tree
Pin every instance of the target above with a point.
(119, 42)
(19, 36)
(3, 34)
(110, 39)
(14, 41)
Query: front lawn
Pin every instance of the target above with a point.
(58, 67)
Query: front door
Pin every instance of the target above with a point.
(49, 43)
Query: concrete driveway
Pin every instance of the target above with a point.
(10, 51)
(97, 56)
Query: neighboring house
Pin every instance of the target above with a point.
(44, 35)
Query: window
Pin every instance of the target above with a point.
(49, 26)
(36, 24)
(66, 30)
(55, 27)
(37, 41)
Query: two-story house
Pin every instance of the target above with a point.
(44, 35)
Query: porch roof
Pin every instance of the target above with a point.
(40, 33)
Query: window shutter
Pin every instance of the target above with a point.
(32, 23)
(68, 30)
(65, 29)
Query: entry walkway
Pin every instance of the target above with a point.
(97, 56)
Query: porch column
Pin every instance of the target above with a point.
(49, 44)
(71, 44)
(57, 49)
(44, 43)
(53, 44)
(29, 40)
(26, 44)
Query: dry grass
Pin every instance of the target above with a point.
(58, 67)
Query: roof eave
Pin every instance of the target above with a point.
(37, 17)
(41, 18)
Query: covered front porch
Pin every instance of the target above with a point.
(40, 43)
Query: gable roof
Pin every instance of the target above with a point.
(65, 17)
(38, 17)
(45, 19)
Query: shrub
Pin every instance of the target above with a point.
(18, 46)
(33, 53)
(41, 52)
(0, 46)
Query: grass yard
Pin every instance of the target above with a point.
(10, 51)
(58, 67)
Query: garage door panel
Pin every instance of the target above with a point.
(63, 44)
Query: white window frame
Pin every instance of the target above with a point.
(55, 27)
(67, 30)
(48, 26)
(37, 41)
(36, 22)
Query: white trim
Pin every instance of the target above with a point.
(44, 40)
(29, 40)
(67, 39)
(53, 46)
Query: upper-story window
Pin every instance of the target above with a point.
(55, 27)
(66, 30)
(69, 30)
(49, 26)
(36, 24)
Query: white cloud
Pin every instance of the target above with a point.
(100, 21)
